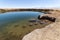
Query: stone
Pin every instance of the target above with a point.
(32, 20)
(47, 18)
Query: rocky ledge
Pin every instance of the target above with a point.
(50, 32)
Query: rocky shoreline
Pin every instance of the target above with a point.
(46, 11)
(49, 32)
(39, 29)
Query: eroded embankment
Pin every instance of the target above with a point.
(50, 32)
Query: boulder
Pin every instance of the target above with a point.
(47, 18)
(32, 20)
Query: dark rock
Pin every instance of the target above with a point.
(35, 24)
(39, 17)
(47, 18)
(24, 26)
(30, 24)
(33, 20)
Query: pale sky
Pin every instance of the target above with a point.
(29, 3)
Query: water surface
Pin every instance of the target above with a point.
(17, 16)
(14, 25)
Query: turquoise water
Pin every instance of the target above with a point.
(14, 25)
(17, 16)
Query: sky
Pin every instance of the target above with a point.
(29, 3)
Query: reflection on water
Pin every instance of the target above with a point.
(17, 16)
(10, 17)
(15, 24)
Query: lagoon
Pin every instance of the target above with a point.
(14, 25)
(17, 16)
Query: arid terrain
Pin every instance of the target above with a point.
(49, 32)
(28, 9)
(14, 32)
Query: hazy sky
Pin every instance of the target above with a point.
(29, 3)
